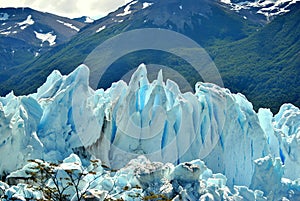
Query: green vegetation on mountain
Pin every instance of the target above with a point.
(261, 62)
(265, 66)
(66, 57)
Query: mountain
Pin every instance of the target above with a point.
(84, 19)
(26, 33)
(269, 9)
(264, 66)
(257, 59)
(154, 119)
(199, 22)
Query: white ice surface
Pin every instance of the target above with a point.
(152, 119)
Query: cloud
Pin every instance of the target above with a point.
(69, 8)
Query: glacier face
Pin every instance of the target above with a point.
(142, 179)
(152, 119)
(156, 120)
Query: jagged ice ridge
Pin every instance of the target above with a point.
(155, 120)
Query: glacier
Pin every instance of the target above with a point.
(142, 179)
(156, 120)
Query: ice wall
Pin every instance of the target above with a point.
(153, 119)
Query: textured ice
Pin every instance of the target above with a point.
(158, 121)
(142, 179)
(283, 134)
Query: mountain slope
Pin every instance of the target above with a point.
(26, 33)
(261, 60)
(204, 21)
(268, 8)
(265, 66)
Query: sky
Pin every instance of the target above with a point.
(69, 8)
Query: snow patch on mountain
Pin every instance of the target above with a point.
(49, 37)
(89, 20)
(29, 21)
(226, 1)
(101, 29)
(5, 33)
(146, 5)
(68, 25)
(127, 9)
(4, 16)
(268, 8)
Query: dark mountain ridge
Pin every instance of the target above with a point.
(244, 49)
(26, 33)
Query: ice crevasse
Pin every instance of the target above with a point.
(151, 119)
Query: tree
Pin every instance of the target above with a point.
(57, 181)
